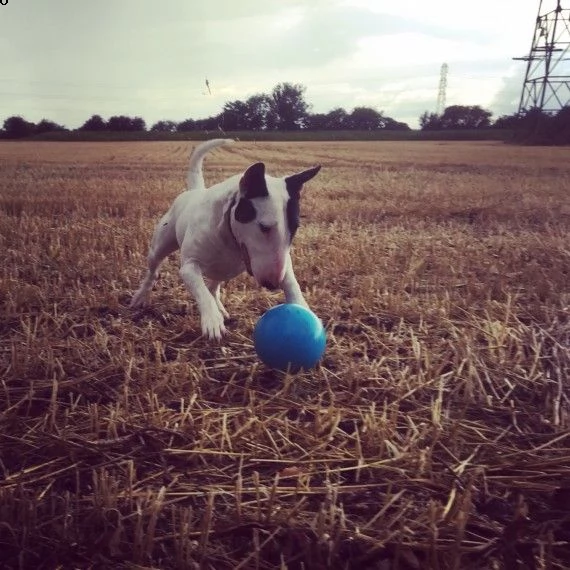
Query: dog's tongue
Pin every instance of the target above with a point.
(246, 260)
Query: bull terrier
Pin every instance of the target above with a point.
(246, 222)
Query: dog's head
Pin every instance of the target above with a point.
(264, 220)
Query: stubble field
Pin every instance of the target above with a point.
(435, 434)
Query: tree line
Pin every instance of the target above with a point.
(531, 127)
(286, 109)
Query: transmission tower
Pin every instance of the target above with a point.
(440, 108)
(547, 81)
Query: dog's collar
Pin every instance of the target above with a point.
(229, 221)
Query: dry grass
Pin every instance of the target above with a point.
(434, 435)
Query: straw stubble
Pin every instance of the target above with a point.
(434, 435)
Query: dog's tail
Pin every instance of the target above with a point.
(195, 178)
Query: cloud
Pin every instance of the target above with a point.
(64, 60)
(507, 98)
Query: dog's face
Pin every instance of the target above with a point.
(266, 218)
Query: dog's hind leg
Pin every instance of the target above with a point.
(163, 243)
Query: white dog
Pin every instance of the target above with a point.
(246, 222)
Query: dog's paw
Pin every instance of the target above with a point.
(140, 299)
(225, 314)
(213, 325)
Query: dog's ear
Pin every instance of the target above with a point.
(252, 183)
(295, 182)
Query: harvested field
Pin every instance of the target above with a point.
(435, 435)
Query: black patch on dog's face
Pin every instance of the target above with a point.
(245, 211)
(293, 216)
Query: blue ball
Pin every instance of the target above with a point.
(289, 337)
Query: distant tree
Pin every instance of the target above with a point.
(272, 119)
(186, 125)
(94, 123)
(164, 127)
(465, 117)
(317, 122)
(209, 123)
(507, 121)
(259, 112)
(538, 127)
(561, 126)
(234, 116)
(123, 123)
(254, 114)
(336, 119)
(532, 127)
(138, 124)
(288, 106)
(430, 121)
(17, 127)
(119, 123)
(361, 118)
(392, 125)
(45, 126)
(365, 119)
(563, 116)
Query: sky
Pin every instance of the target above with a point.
(65, 60)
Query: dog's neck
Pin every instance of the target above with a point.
(228, 220)
(237, 243)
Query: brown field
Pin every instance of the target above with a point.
(435, 434)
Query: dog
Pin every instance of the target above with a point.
(245, 223)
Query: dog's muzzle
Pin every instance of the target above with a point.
(267, 283)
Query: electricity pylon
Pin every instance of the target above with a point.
(547, 81)
(440, 108)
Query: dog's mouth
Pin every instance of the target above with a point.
(246, 259)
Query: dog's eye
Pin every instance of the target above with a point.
(264, 229)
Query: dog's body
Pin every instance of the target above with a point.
(246, 222)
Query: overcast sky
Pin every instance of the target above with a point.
(65, 60)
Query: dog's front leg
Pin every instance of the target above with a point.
(211, 317)
(214, 288)
(291, 287)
